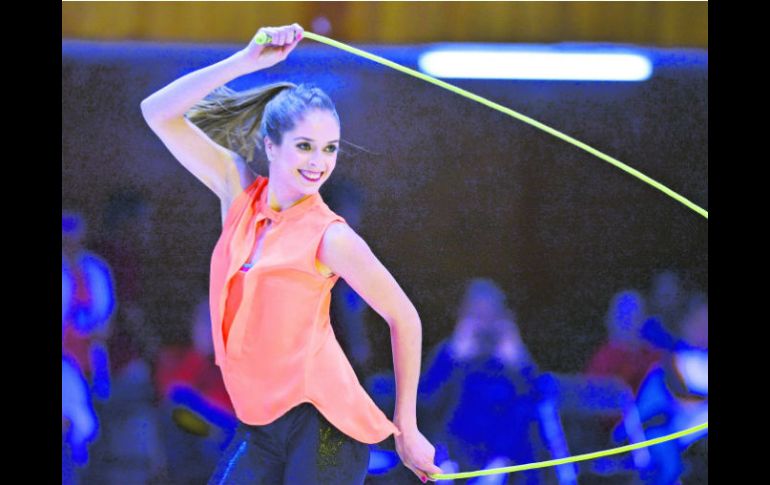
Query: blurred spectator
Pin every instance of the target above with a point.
(129, 448)
(484, 399)
(193, 364)
(79, 422)
(87, 307)
(126, 241)
(628, 357)
(666, 303)
(626, 354)
(695, 324)
(197, 417)
(588, 407)
(674, 396)
(348, 309)
(88, 304)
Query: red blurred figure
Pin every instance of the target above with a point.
(625, 355)
(193, 365)
(88, 301)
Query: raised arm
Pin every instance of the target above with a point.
(220, 169)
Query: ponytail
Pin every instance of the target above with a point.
(240, 120)
(233, 118)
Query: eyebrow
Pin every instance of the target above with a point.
(310, 139)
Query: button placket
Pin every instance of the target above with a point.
(237, 330)
(262, 211)
(233, 268)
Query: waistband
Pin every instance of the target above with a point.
(287, 416)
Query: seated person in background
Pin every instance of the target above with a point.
(197, 419)
(674, 396)
(79, 422)
(88, 303)
(193, 365)
(482, 396)
(666, 307)
(626, 354)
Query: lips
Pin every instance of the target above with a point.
(311, 176)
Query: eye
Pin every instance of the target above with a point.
(333, 148)
(303, 144)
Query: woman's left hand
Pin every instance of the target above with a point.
(417, 454)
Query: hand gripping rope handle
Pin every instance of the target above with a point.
(262, 38)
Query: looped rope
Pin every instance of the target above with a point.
(579, 144)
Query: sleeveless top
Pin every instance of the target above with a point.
(273, 340)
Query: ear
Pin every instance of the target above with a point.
(269, 149)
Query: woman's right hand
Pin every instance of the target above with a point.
(283, 41)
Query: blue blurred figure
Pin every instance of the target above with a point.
(128, 449)
(87, 306)
(79, 422)
(197, 420)
(673, 397)
(625, 354)
(483, 399)
(666, 306)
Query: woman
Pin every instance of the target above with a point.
(303, 415)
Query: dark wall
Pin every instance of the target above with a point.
(453, 189)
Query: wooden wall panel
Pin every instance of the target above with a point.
(682, 24)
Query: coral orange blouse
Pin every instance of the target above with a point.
(271, 327)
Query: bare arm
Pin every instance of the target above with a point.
(348, 256)
(164, 110)
(220, 169)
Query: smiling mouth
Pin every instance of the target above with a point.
(311, 176)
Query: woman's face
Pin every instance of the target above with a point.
(307, 155)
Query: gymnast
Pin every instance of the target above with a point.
(303, 416)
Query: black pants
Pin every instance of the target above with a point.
(299, 447)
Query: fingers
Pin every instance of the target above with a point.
(281, 36)
(429, 478)
(422, 474)
(299, 31)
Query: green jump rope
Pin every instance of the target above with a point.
(262, 38)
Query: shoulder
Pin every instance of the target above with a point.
(341, 248)
(339, 236)
(95, 262)
(333, 225)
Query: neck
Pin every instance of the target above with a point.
(279, 199)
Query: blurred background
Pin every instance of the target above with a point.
(550, 284)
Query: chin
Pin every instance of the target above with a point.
(310, 189)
